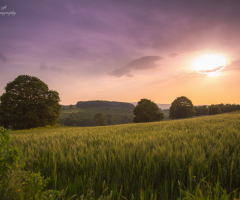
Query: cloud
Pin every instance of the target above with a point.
(233, 66)
(173, 54)
(3, 58)
(44, 67)
(217, 69)
(143, 63)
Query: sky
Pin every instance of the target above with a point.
(124, 50)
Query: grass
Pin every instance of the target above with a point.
(145, 161)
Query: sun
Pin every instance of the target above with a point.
(210, 64)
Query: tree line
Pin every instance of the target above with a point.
(28, 103)
(215, 109)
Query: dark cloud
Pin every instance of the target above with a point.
(160, 25)
(84, 33)
(143, 63)
(44, 67)
(3, 58)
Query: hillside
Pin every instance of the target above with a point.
(150, 160)
(119, 115)
(120, 112)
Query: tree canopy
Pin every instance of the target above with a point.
(201, 110)
(100, 119)
(147, 111)
(214, 109)
(181, 107)
(28, 103)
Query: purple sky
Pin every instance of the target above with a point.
(122, 50)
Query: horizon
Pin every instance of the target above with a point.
(158, 50)
(163, 106)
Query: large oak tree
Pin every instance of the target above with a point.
(181, 107)
(147, 111)
(28, 103)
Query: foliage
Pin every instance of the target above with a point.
(147, 111)
(109, 119)
(208, 191)
(224, 108)
(87, 104)
(8, 155)
(181, 107)
(28, 103)
(100, 119)
(85, 116)
(214, 109)
(201, 110)
(15, 183)
(228, 107)
(145, 159)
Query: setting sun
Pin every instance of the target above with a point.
(210, 64)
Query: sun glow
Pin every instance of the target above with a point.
(210, 64)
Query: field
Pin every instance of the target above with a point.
(146, 160)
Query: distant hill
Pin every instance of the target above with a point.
(98, 103)
(162, 106)
(82, 114)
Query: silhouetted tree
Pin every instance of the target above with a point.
(147, 111)
(181, 107)
(28, 103)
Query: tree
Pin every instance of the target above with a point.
(87, 122)
(214, 109)
(109, 119)
(181, 107)
(147, 111)
(28, 103)
(100, 119)
(71, 106)
(201, 110)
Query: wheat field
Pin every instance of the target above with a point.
(145, 161)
